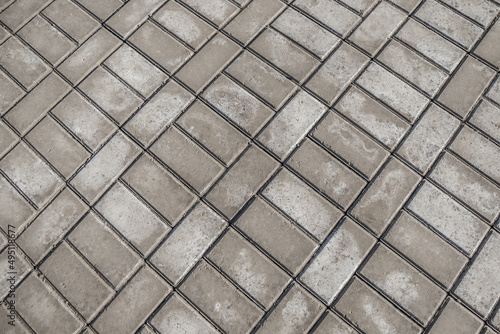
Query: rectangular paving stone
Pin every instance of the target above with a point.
(349, 143)
(431, 45)
(488, 48)
(57, 146)
(31, 174)
(14, 209)
(207, 63)
(76, 281)
(426, 249)
(370, 312)
(131, 15)
(21, 12)
(159, 112)
(302, 204)
(228, 97)
(387, 193)
(105, 167)
(377, 28)
(413, 67)
(449, 23)
(332, 14)
(305, 32)
(468, 186)
(104, 249)
(407, 5)
(217, 11)
(487, 118)
(337, 72)
(478, 10)
(89, 55)
(284, 54)
(34, 105)
(409, 288)
(494, 91)
(7, 139)
(272, 231)
(291, 124)
(328, 174)
(159, 188)
(393, 91)
(138, 302)
(448, 217)
(100, 9)
(466, 86)
(480, 287)
(333, 323)
(361, 6)
(249, 268)
(242, 181)
(456, 319)
(220, 300)
(252, 19)
(337, 261)
(199, 230)
(132, 218)
(213, 132)
(295, 313)
(10, 92)
(428, 138)
(372, 117)
(56, 315)
(187, 159)
(57, 218)
(262, 79)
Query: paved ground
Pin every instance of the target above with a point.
(204, 166)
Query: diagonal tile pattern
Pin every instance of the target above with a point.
(250, 166)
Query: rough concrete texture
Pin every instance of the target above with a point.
(250, 166)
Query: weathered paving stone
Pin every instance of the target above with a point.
(199, 230)
(272, 231)
(57, 146)
(331, 323)
(20, 12)
(55, 316)
(407, 5)
(295, 313)
(426, 249)
(217, 11)
(14, 209)
(350, 144)
(370, 312)
(10, 92)
(242, 181)
(262, 79)
(466, 86)
(337, 72)
(100, 9)
(428, 138)
(132, 218)
(138, 302)
(76, 280)
(372, 117)
(456, 319)
(448, 217)
(159, 112)
(253, 18)
(184, 24)
(47, 40)
(478, 10)
(131, 15)
(488, 49)
(291, 124)
(159, 188)
(177, 316)
(361, 6)
(237, 104)
(7, 139)
(487, 118)
(187, 159)
(387, 193)
(327, 173)
(31, 174)
(480, 287)
(413, 67)
(337, 261)
(494, 91)
(299, 201)
(57, 218)
(393, 91)
(220, 300)
(103, 249)
(449, 23)
(431, 45)
(207, 63)
(468, 186)
(377, 28)
(305, 32)
(213, 132)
